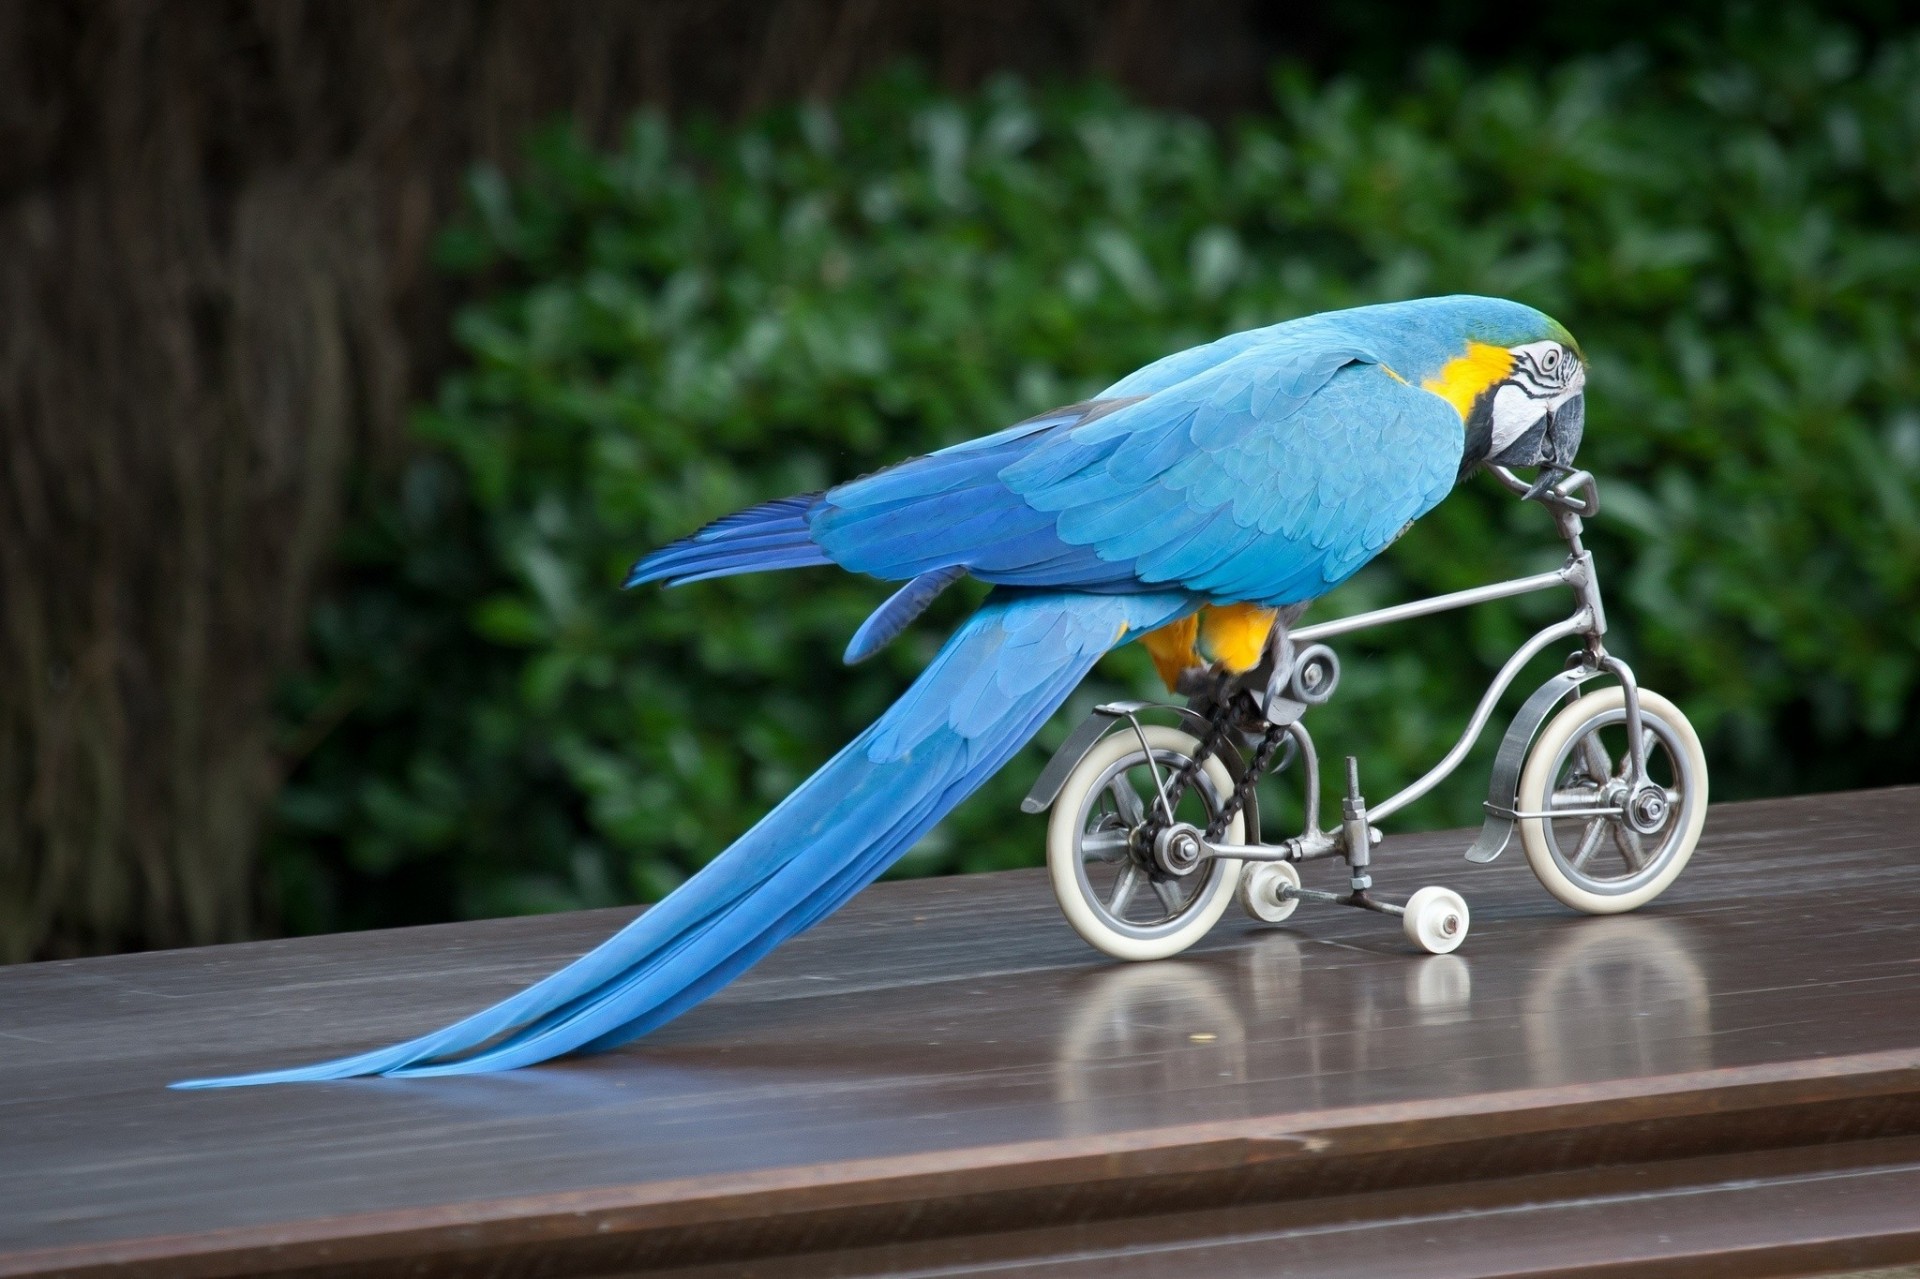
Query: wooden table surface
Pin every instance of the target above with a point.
(944, 1079)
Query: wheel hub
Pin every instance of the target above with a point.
(1647, 811)
(1178, 849)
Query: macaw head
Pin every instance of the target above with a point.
(1517, 379)
(1535, 415)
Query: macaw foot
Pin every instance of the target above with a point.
(1206, 687)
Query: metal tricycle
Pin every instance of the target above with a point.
(1156, 826)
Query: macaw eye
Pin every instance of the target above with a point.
(1549, 360)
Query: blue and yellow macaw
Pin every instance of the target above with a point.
(1197, 504)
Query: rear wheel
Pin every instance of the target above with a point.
(1099, 851)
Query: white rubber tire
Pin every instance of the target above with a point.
(1063, 858)
(1536, 784)
(1260, 885)
(1437, 920)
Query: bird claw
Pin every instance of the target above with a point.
(1205, 687)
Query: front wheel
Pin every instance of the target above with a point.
(1593, 859)
(1103, 876)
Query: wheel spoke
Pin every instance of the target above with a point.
(1169, 894)
(1647, 744)
(1632, 851)
(1123, 892)
(1578, 797)
(1127, 800)
(1589, 840)
(1593, 758)
(1105, 846)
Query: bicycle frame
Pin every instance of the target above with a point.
(1355, 835)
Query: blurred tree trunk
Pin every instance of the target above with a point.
(214, 308)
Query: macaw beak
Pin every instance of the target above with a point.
(1550, 441)
(1565, 423)
(1549, 476)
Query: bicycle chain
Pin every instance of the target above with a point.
(1219, 724)
(1270, 743)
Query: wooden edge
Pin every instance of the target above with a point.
(1824, 1099)
(1828, 1257)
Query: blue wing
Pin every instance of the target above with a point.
(1263, 468)
(1268, 476)
(1171, 370)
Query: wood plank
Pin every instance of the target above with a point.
(1797, 1211)
(945, 1061)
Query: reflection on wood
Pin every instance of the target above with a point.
(944, 1077)
(1639, 967)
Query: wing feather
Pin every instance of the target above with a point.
(1266, 474)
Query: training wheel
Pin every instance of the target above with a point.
(1260, 891)
(1436, 920)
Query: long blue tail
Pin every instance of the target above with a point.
(987, 692)
(768, 536)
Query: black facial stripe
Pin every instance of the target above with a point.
(1479, 441)
(1539, 382)
(1533, 378)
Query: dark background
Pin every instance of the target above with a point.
(219, 299)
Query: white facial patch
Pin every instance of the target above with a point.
(1545, 364)
(1513, 412)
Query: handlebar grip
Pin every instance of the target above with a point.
(1561, 495)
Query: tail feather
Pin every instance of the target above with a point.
(983, 697)
(899, 612)
(760, 560)
(771, 535)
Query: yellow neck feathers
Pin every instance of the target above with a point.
(1465, 377)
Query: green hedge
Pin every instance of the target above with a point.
(706, 317)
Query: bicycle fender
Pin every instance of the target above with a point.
(1503, 789)
(1046, 787)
